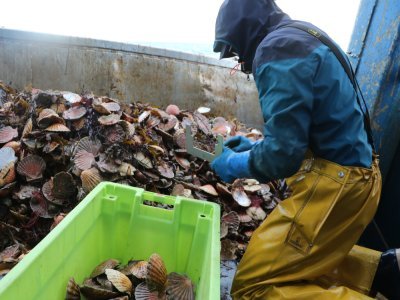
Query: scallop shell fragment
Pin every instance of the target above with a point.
(120, 281)
(209, 189)
(32, 167)
(7, 134)
(156, 278)
(179, 287)
(73, 290)
(90, 179)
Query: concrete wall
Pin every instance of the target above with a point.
(127, 72)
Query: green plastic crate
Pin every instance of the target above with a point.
(113, 222)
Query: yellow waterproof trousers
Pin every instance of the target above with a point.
(305, 248)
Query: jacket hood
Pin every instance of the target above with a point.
(242, 24)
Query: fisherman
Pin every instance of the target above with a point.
(317, 135)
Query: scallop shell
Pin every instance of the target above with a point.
(101, 268)
(47, 190)
(7, 155)
(58, 127)
(224, 230)
(245, 218)
(50, 147)
(156, 278)
(7, 134)
(209, 189)
(128, 128)
(110, 119)
(256, 213)
(73, 291)
(32, 167)
(170, 124)
(72, 97)
(114, 134)
(142, 293)
(7, 174)
(179, 287)
(90, 179)
(27, 128)
(203, 123)
(84, 160)
(99, 107)
(239, 194)
(143, 116)
(139, 269)
(15, 145)
(165, 170)
(92, 146)
(143, 160)
(231, 219)
(126, 169)
(180, 138)
(111, 106)
(183, 162)
(47, 117)
(223, 190)
(74, 113)
(120, 281)
(63, 186)
(79, 124)
(92, 291)
(203, 110)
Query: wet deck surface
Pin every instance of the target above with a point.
(228, 269)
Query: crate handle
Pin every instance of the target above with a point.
(159, 198)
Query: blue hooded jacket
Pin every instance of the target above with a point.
(306, 98)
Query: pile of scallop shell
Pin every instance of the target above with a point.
(57, 146)
(139, 279)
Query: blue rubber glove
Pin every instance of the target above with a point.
(231, 165)
(240, 143)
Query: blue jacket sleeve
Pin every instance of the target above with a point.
(286, 97)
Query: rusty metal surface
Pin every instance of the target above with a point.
(127, 72)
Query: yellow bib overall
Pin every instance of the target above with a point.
(305, 248)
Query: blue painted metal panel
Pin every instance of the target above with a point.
(375, 54)
(375, 51)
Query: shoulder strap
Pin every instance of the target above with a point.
(347, 68)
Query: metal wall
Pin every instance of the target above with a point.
(127, 72)
(375, 54)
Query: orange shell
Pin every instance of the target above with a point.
(58, 127)
(90, 179)
(119, 280)
(156, 278)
